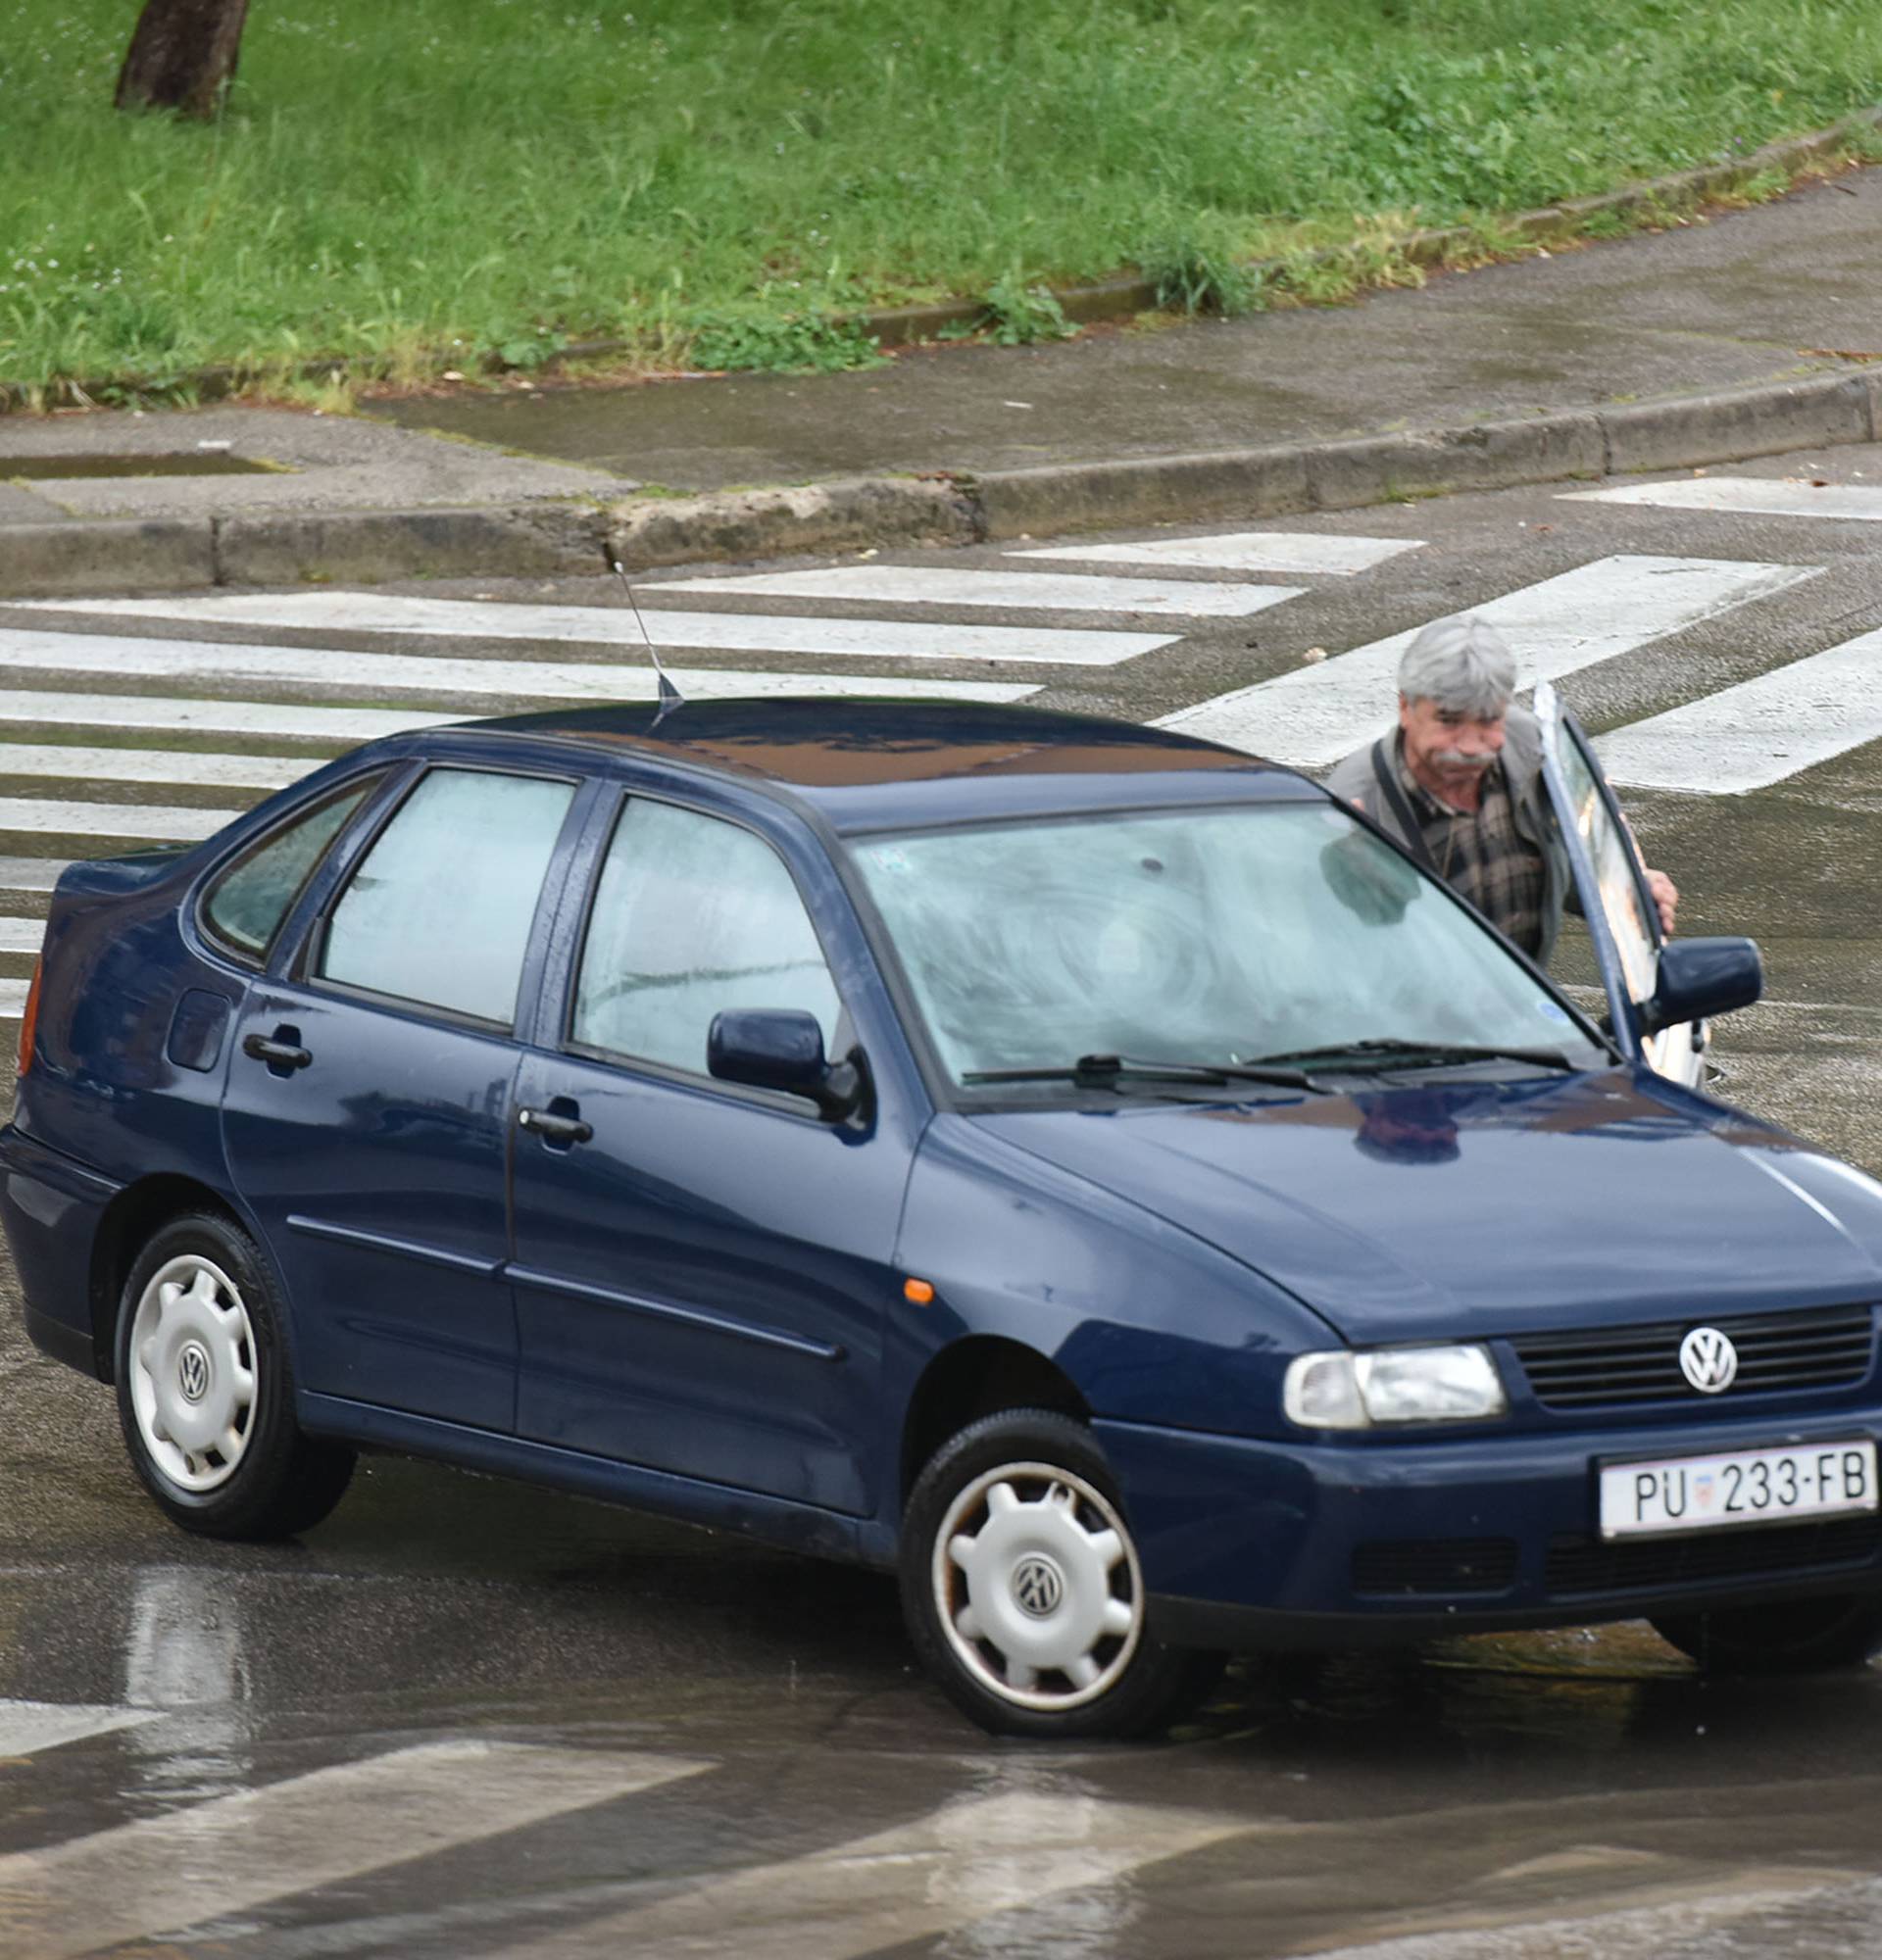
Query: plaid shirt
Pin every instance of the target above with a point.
(1482, 857)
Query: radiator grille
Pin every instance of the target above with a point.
(1426, 1565)
(1776, 1351)
(1596, 1565)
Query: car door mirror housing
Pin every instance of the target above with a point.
(1699, 978)
(782, 1049)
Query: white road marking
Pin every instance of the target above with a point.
(934, 585)
(28, 1727)
(951, 1868)
(1244, 551)
(614, 626)
(325, 670)
(18, 934)
(23, 708)
(152, 766)
(1314, 716)
(1760, 732)
(157, 823)
(29, 874)
(1761, 495)
(234, 1853)
(13, 1004)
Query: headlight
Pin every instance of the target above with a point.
(1390, 1385)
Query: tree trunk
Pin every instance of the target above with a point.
(182, 56)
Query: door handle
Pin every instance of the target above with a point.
(282, 1052)
(555, 1128)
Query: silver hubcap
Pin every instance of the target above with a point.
(192, 1373)
(1037, 1587)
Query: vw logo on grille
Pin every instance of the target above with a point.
(192, 1371)
(1709, 1360)
(1038, 1586)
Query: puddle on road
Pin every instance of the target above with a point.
(183, 462)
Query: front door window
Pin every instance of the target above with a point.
(693, 915)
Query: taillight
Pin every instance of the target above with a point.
(29, 1019)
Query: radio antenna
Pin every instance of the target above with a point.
(670, 695)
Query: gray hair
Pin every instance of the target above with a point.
(1461, 664)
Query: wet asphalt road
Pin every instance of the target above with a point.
(1566, 1794)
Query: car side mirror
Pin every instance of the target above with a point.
(1701, 978)
(782, 1049)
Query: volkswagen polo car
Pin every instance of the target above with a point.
(1083, 1168)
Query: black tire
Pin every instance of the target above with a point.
(1058, 1557)
(257, 1476)
(1797, 1637)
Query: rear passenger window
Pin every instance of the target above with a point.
(245, 907)
(440, 908)
(693, 915)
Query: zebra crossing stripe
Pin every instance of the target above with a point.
(21, 708)
(234, 1853)
(18, 934)
(930, 585)
(1244, 551)
(614, 626)
(28, 1727)
(155, 823)
(951, 1869)
(1757, 496)
(1760, 732)
(55, 760)
(12, 1008)
(29, 874)
(1312, 716)
(397, 676)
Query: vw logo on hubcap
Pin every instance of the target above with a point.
(192, 1371)
(1709, 1360)
(1038, 1586)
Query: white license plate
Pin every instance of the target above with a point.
(1683, 1493)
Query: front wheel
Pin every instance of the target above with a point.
(1804, 1636)
(205, 1395)
(1023, 1590)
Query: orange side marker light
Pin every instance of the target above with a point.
(29, 1021)
(919, 1291)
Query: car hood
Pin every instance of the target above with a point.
(1480, 1208)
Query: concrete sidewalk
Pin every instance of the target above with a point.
(1745, 333)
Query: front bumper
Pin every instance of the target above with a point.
(1252, 1542)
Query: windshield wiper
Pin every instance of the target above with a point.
(1108, 1071)
(1387, 1052)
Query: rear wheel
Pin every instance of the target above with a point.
(1803, 1637)
(1023, 1590)
(205, 1392)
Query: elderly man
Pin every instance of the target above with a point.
(1458, 783)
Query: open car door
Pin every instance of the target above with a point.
(1624, 921)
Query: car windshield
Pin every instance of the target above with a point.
(1207, 936)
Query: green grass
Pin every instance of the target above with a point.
(429, 182)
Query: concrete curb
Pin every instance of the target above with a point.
(1283, 479)
(101, 555)
(546, 539)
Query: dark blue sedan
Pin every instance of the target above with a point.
(1084, 1168)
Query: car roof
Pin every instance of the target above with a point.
(865, 763)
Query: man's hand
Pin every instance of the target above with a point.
(1665, 897)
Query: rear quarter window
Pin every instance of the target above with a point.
(243, 910)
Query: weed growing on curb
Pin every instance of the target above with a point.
(794, 344)
(1190, 276)
(1018, 314)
